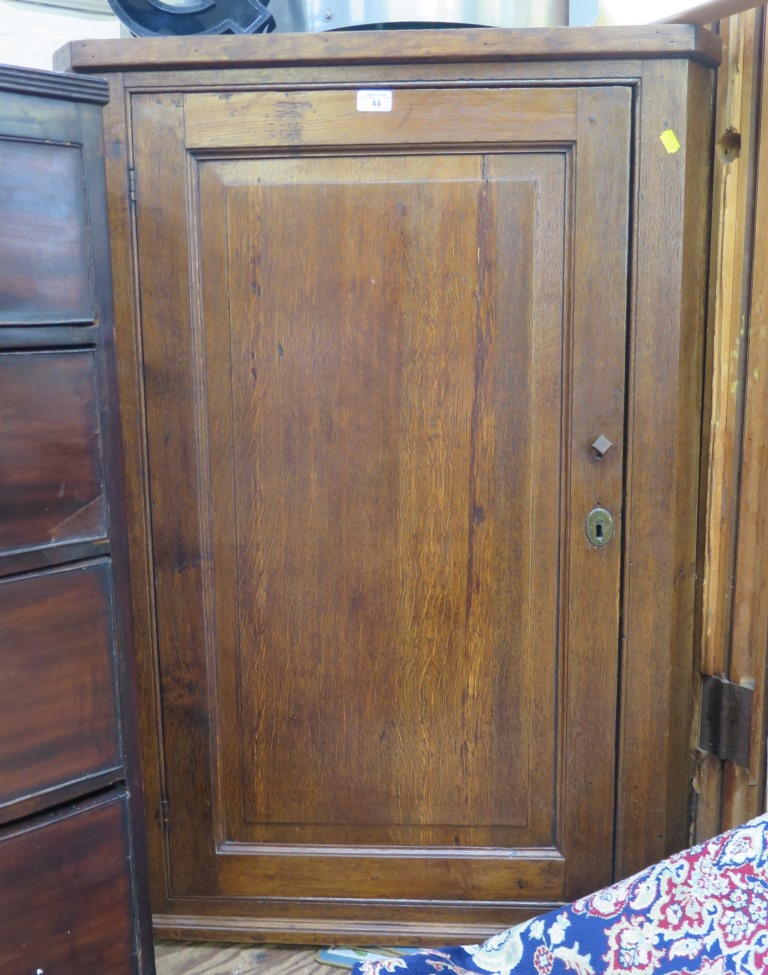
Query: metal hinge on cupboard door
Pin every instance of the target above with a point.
(726, 717)
(132, 185)
(164, 812)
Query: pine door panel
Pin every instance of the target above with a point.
(387, 652)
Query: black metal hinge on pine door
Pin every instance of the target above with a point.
(726, 717)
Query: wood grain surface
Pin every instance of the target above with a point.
(332, 118)
(362, 476)
(65, 895)
(733, 616)
(188, 958)
(73, 896)
(736, 139)
(64, 90)
(217, 226)
(664, 409)
(745, 794)
(386, 47)
(58, 708)
(45, 260)
(400, 600)
(171, 381)
(51, 477)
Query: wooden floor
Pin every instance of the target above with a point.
(188, 958)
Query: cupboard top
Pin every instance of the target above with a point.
(392, 47)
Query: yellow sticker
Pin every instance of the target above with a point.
(669, 140)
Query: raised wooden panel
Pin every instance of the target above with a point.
(332, 118)
(66, 906)
(388, 411)
(58, 712)
(51, 472)
(45, 262)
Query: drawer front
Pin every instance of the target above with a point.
(58, 711)
(51, 472)
(45, 260)
(66, 903)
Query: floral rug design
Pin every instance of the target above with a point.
(701, 912)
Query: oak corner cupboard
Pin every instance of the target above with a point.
(410, 331)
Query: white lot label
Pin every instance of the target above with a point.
(374, 101)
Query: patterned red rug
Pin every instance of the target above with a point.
(701, 912)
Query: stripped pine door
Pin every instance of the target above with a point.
(377, 349)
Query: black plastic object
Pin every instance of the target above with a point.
(157, 18)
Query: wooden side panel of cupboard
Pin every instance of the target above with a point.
(377, 350)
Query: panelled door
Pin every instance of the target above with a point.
(381, 334)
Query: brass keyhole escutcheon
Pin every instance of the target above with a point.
(599, 527)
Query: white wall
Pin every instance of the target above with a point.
(28, 37)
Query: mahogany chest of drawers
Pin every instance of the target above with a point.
(72, 890)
